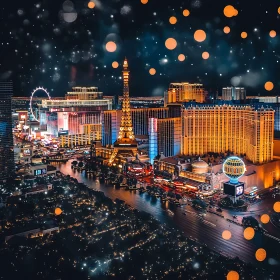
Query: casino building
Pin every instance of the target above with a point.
(77, 119)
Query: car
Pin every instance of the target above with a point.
(219, 210)
(234, 216)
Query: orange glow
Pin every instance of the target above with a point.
(186, 13)
(279, 10)
(199, 35)
(226, 234)
(181, 57)
(115, 64)
(152, 71)
(144, 1)
(260, 254)
(57, 211)
(233, 275)
(226, 29)
(91, 5)
(269, 86)
(111, 46)
(205, 55)
(244, 35)
(173, 20)
(249, 233)
(272, 33)
(171, 43)
(276, 206)
(265, 218)
(230, 11)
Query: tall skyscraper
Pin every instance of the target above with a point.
(126, 145)
(233, 93)
(7, 162)
(153, 139)
(169, 136)
(238, 129)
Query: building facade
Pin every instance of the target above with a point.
(140, 120)
(233, 93)
(184, 92)
(238, 129)
(7, 161)
(169, 132)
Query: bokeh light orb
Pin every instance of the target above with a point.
(233, 275)
(249, 233)
(171, 43)
(272, 33)
(260, 254)
(265, 218)
(279, 10)
(226, 29)
(152, 71)
(269, 86)
(144, 1)
(57, 211)
(199, 35)
(91, 4)
(230, 11)
(186, 13)
(205, 55)
(226, 234)
(276, 206)
(181, 57)
(234, 168)
(111, 46)
(173, 20)
(244, 35)
(115, 64)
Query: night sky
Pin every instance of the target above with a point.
(58, 44)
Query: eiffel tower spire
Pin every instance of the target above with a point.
(126, 143)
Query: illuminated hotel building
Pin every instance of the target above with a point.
(153, 139)
(140, 118)
(239, 129)
(233, 93)
(7, 161)
(71, 117)
(169, 136)
(184, 92)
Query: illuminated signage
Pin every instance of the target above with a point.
(40, 171)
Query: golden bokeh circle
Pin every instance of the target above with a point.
(115, 64)
(91, 5)
(186, 13)
(199, 35)
(249, 233)
(233, 275)
(173, 20)
(265, 218)
(205, 55)
(276, 206)
(279, 10)
(272, 33)
(269, 86)
(181, 57)
(111, 46)
(226, 29)
(230, 11)
(260, 254)
(144, 1)
(171, 43)
(244, 35)
(226, 234)
(57, 211)
(152, 71)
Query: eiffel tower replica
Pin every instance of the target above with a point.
(126, 145)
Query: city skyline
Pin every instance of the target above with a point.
(67, 42)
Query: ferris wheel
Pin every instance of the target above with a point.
(31, 100)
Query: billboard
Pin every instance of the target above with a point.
(229, 189)
(40, 172)
(239, 190)
(234, 189)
